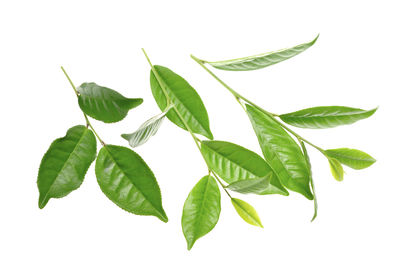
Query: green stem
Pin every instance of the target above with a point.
(88, 124)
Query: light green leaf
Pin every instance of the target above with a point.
(127, 181)
(326, 116)
(281, 152)
(353, 158)
(104, 104)
(247, 212)
(201, 210)
(255, 185)
(65, 164)
(185, 99)
(235, 163)
(261, 60)
(336, 169)
(303, 147)
(146, 130)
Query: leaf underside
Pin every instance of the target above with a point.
(353, 158)
(247, 212)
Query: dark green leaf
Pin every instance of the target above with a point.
(127, 181)
(261, 60)
(247, 212)
(336, 169)
(65, 164)
(104, 104)
(185, 99)
(353, 158)
(303, 147)
(235, 163)
(281, 152)
(326, 116)
(201, 210)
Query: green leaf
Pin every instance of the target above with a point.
(201, 210)
(146, 130)
(353, 158)
(336, 169)
(326, 116)
(235, 163)
(127, 181)
(261, 60)
(254, 185)
(185, 99)
(65, 164)
(247, 212)
(281, 152)
(104, 104)
(303, 147)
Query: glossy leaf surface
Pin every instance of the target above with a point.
(247, 212)
(261, 60)
(326, 116)
(65, 164)
(201, 210)
(127, 181)
(353, 158)
(281, 152)
(146, 130)
(104, 104)
(185, 99)
(336, 169)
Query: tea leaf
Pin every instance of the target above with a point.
(184, 98)
(281, 152)
(104, 104)
(336, 169)
(353, 158)
(201, 210)
(261, 60)
(127, 181)
(303, 147)
(260, 186)
(247, 212)
(65, 164)
(235, 163)
(146, 130)
(326, 116)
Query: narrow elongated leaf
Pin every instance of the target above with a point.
(303, 147)
(65, 164)
(247, 212)
(201, 210)
(146, 130)
(336, 169)
(326, 116)
(281, 152)
(127, 181)
(254, 185)
(261, 60)
(185, 99)
(235, 163)
(104, 104)
(353, 158)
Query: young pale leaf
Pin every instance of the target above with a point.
(185, 99)
(104, 104)
(281, 152)
(247, 212)
(146, 130)
(353, 158)
(235, 163)
(326, 116)
(201, 210)
(303, 147)
(262, 60)
(65, 164)
(127, 181)
(336, 169)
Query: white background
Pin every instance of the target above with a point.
(354, 63)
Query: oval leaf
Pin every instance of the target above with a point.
(235, 163)
(281, 152)
(353, 158)
(185, 99)
(65, 164)
(326, 116)
(336, 169)
(104, 104)
(261, 60)
(127, 181)
(247, 212)
(201, 210)
(146, 130)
